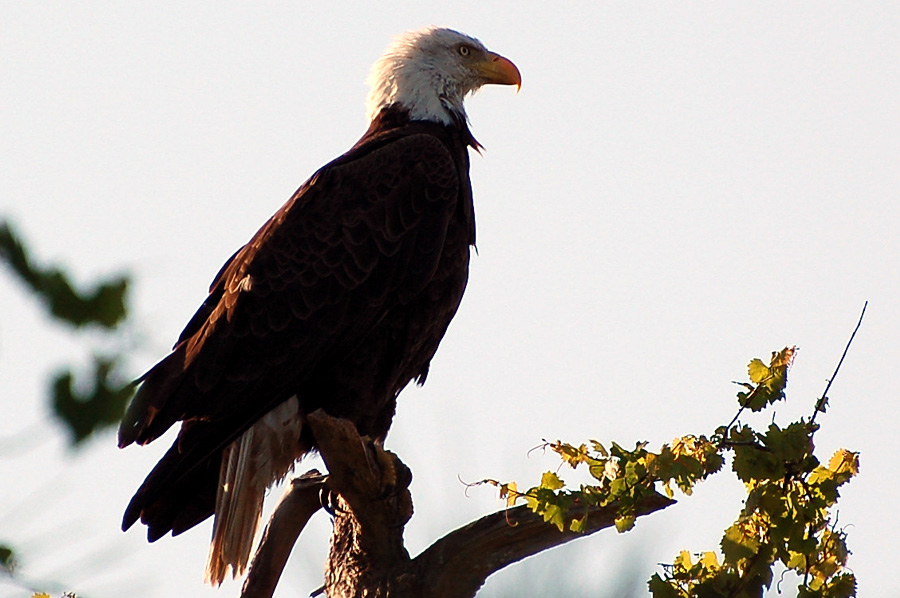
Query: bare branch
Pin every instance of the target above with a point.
(459, 563)
(299, 503)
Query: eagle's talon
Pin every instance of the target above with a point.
(328, 501)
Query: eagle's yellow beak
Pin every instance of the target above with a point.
(500, 70)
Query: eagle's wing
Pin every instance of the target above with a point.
(360, 237)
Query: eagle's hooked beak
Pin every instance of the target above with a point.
(500, 70)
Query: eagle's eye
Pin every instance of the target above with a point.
(464, 50)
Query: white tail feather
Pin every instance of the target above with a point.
(263, 455)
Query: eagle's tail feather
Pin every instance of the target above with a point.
(263, 455)
(238, 510)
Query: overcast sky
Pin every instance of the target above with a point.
(677, 188)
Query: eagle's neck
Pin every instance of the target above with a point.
(420, 89)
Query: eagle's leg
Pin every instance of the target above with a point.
(374, 505)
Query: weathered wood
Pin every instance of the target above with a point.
(458, 564)
(298, 504)
(373, 506)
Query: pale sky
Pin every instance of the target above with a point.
(677, 188)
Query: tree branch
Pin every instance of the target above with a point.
(459, 563)
(298, 504)
(373, 506)
(823, 401)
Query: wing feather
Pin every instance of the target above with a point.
(359, 238)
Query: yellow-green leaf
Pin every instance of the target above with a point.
(624, 523)
(758, 371)
(551, 481)
(577, 525)
(683, 560)
(844, 461)
(710, 560)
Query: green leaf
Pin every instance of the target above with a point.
(624, 523)
(797, 561)
(634, 471)
(792, 444)
(770, 380)
(598, 471)
(842, 586)
(758, 371)
(660, 588)
(710, 560)
(752, 462)
(99, 406)
(551, 481)
(103, 305)
(599, 448)
(844, 463)
(7, 559)
(683, 561)
(618, 487)
(570, 454)
(578, 524)
(555, 515)
(785, 517)
(736, 546)
(820, 475)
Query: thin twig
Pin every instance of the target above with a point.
(820, 404)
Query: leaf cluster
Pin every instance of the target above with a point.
(81, 406)
(785, 518)
(99, 406)
(767, 382)
(620, 476)
(104, 305)
(7, 559)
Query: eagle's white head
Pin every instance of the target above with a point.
(430, 71)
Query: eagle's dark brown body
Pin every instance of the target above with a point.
(340, 299)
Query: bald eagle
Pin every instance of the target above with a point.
(336, 303)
